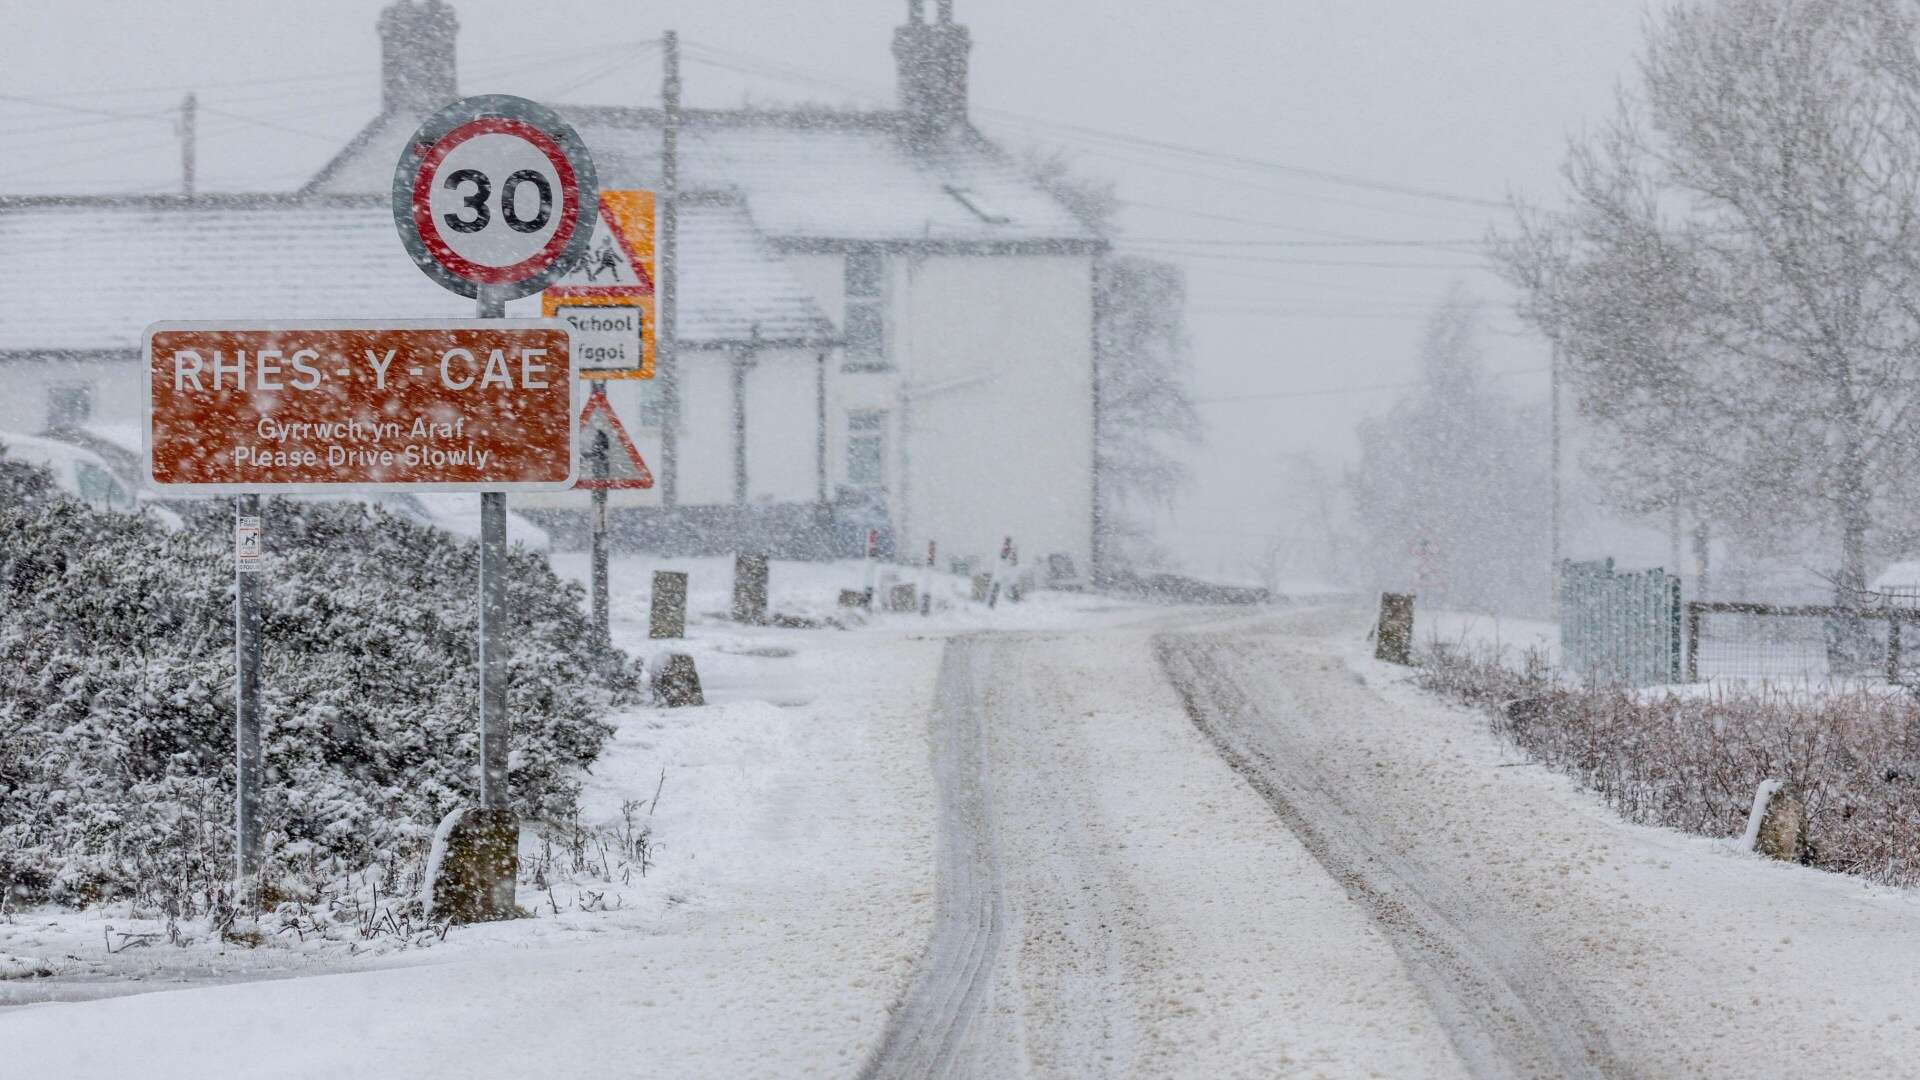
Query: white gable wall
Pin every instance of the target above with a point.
(997, 359)
(782, 428)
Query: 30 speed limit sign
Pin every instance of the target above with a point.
(494, 197)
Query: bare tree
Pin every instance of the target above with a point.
(1451, 490)
(1733, 286)
(1146, 410)
(1143, 364)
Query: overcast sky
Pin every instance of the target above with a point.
(1467, 98)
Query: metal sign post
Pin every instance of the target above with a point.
(495, 727)
(248, 544)
(599, 452)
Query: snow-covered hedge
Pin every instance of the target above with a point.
(1692, 762)
(116, 677)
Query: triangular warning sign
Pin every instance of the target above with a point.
(625, 470)
(619, 257)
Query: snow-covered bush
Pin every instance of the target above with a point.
(116, 681)
(20, 482)
(1692, 762)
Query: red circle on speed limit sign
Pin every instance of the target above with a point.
(488, 197)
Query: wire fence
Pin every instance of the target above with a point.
(1872, 637)
(1632, 628)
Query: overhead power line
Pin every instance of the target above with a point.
(1260, 164)
(1286, 260)
(1288, 395)
(1462, 247)
(760, 65)
(509, 61)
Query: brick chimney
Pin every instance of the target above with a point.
(932, 60)
(416, 55)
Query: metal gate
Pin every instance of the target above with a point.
(1620, 628)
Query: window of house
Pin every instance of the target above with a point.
(653, 412)
(69, 405)
(867, 448)
(866, 326)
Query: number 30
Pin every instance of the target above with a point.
(476, 201)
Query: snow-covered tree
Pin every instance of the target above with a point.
(1142, 367)
(1736, 285)
(1451, 488)
(1146, 411)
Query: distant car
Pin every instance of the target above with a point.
(82, 474)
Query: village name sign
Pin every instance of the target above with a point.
(494, 198)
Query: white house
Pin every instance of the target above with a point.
(881, 320)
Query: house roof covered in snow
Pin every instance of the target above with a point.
(89, 275)
(812, 179)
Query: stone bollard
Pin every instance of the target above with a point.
(669, 616)
(903, 598)
(1777, 824)
(676, 680)
(1393, 637)
(473, 866)
(750, 589)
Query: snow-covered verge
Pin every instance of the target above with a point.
(1701, 959)
(1514, 640)
(786, 893)
(1693, 762)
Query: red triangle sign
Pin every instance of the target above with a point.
(625, 469)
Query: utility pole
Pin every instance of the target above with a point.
(742, 361)
(1553, 411)
(666, 347)
(188, 109)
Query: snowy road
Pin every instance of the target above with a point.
(1251, 852)
(1113, 901)
(1506, 1008)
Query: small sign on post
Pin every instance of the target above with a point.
(246, 544)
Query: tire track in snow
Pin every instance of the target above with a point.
(1506, 1011)
(928, 1035)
